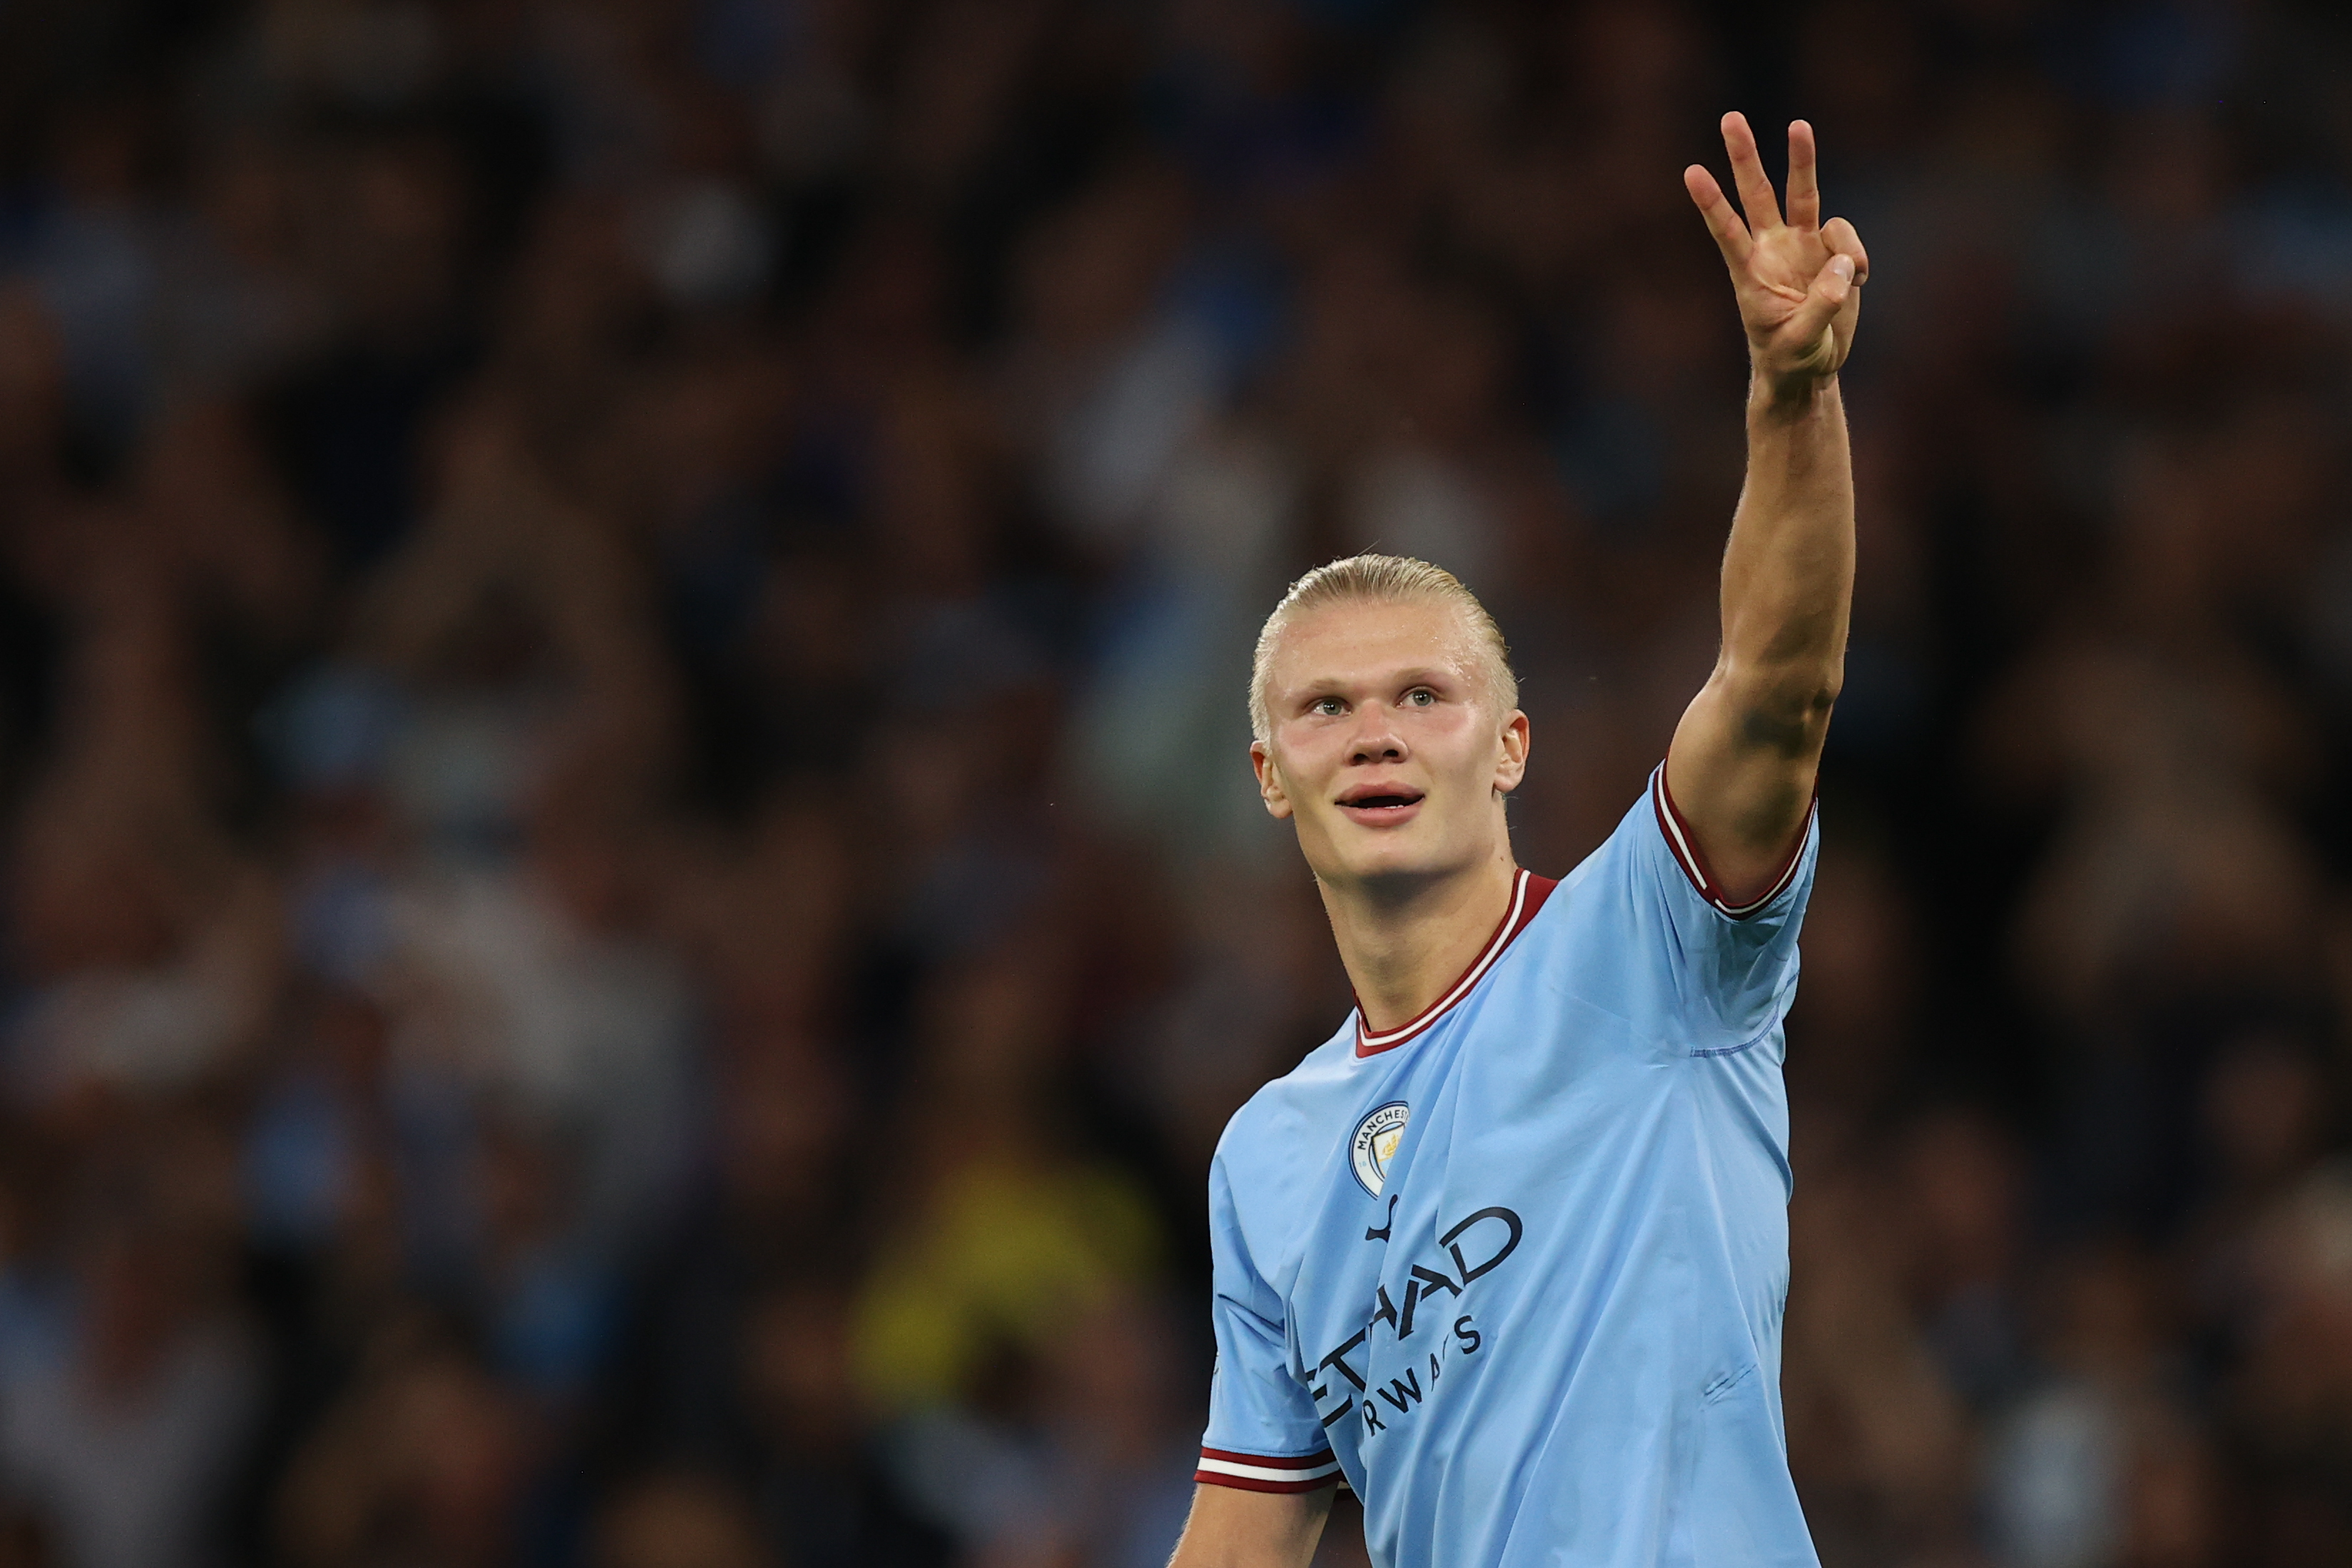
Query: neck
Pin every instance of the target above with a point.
(1404, 944)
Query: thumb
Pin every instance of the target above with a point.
(1831, 286)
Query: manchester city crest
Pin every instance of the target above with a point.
(1375, 1142)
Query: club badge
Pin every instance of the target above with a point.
(1375, 1144)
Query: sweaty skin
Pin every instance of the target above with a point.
(1391, 759)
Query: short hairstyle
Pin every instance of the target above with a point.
(1380, 579)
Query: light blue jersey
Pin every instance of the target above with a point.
(1516, 1269)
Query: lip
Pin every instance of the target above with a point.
(1399, 804)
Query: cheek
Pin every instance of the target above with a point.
(1454, 733)
(1296, 763)
(1465, 750)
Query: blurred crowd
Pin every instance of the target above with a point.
(632, 899)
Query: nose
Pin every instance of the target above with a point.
(1377, 741)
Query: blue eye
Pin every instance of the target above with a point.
(1330, 708)
(1422, 696)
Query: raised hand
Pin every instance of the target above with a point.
(1797, 279)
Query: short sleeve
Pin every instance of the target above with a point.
(1733, 966)
(1263, 1432)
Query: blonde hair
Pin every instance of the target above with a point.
(1380, 579)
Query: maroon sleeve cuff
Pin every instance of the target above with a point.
(1684, 843)
(1260, 1472)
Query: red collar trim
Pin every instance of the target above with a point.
(1528, 891)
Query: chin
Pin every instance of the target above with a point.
(1361, 856)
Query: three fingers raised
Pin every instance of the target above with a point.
(1737, 238)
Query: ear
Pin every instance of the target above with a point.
(1512, 765)
(1269, 781)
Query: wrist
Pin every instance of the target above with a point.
(1788, 394)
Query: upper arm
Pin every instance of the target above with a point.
(1741, 772)
(1266, 1473)
(1230, 1528)
(1700, 974)
(1261, 1417)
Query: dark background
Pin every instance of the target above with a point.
(632, 900)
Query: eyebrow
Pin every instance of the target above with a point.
(1418, 676)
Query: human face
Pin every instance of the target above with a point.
(1385, 747)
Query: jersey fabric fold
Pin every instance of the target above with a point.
(1516, 1269)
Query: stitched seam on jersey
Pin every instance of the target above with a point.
(1754, 1040)
(1716, 1391)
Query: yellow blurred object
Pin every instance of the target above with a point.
(1002, 1257)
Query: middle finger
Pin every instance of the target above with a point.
(1756, 198)
(1804, 192)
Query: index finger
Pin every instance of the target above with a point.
(1730, 234)
(1804, 189)
(1747, 176)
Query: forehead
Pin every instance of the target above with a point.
(1364, 639)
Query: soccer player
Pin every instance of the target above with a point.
(1508, 1252)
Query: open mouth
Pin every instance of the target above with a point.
(1379, 804)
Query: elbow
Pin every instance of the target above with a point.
(1790, 713)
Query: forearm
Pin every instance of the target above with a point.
(1788, 570)
(1230, 1528)
(1746, 753)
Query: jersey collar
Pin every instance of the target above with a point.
(1527, 894)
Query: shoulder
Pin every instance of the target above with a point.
(1276, 1144)
(1599, 878)
(1652, 859)
(1270, 1122)
(1648, 935)
(1586, 907)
